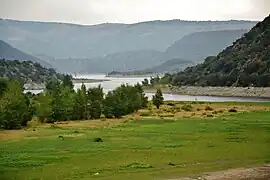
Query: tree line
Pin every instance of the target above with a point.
(60, 102)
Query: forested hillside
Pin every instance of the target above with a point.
(245, 63)
(26, 71)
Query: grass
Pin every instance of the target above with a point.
(145, 148)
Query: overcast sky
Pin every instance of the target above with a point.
(130, 11)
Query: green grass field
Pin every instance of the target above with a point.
(139, 149)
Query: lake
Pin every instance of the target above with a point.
(114, 82)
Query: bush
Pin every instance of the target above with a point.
(209, 108)
(232, 110)
(166, 115)
(187, 107)
(98, 139)
(171, 104)
(139, 166)
(145, 114)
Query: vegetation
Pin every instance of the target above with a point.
(149, 148)
(158, 99)
(26, 71)
(59, 102)
(245, 63)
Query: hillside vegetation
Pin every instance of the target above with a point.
(26, 71)
(245, 63)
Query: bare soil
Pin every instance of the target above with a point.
(255, 173)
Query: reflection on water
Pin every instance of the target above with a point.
(115, 82)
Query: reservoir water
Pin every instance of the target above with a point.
(117, 81)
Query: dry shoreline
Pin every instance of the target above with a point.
(255, 92)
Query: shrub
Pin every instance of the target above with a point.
(98, 139)
(187, 107)
(171, 104)
(210, 115)
(166, 115)
(209, 108)
(145, 114)
(198, 109)
(139, 166)
(232, 110)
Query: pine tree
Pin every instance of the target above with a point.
(158, 99)
(14, 108)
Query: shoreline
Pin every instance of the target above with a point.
(82, 80)
(241, 92)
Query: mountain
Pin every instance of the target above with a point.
(69, 41)
(245, 63)
(197, 46)
(173, 65)
(26, 71)
(61, 40)
(10, 53)
(204, 43)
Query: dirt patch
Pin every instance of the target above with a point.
(256, 173)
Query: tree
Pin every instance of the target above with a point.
(63, 104)
(145, 82)
(14, 109)
(3, 85)
(95, 97)
(80, 104)
(52, 86)
(67, 81)
(158, 99)
(44, 108)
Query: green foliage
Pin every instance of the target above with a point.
(67, 81)
(26, 71)
(158, 99)
(44, 107)
(60, 102)
(14, 107)
(145, 82)
(3, 86)
(124, 100)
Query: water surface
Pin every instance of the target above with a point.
(115, 82)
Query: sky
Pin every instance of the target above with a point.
(132, 11)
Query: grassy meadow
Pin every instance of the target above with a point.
(181, 139)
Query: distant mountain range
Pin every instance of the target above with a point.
(10, 53)
(106, 47)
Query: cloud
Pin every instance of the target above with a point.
(129, 11)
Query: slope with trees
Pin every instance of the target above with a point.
(245, 63)
(26, 71)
